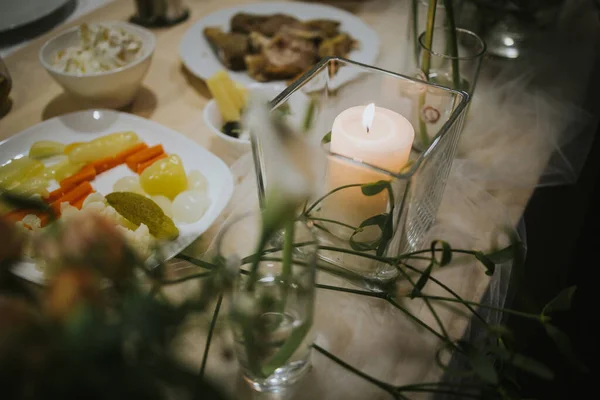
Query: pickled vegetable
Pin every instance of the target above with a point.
(105, 146)
(20, 169)
(190, 206)
(196, 180)
(45, 149)
(141, 210)
(165, 204)
(128, 184)
(62, 170)
(165, 177)
(34, 186)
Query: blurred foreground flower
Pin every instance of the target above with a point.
(89, 240)
(11, 243)
(299, 163)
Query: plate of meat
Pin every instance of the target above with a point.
(275, 42)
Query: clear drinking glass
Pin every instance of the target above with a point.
(459, 70)
(271, 310)
(312, 103)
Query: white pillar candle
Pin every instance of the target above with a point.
(372, 135)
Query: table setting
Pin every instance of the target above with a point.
(283, 199)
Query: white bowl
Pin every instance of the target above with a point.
(109, 89)
(214, 121)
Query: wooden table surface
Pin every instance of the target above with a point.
(365, 332)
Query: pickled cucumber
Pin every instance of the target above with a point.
(141, 210)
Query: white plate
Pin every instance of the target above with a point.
(200, 59)
(87, 125)
(17, 13)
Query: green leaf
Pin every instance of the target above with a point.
(446, 253)
(481, 365)
(376, 220)
(505, 254)
(489, 265)
(563, 343)
(562, 302)
(373, 188)
(327, 138)
(532, 366)
(386, 233)
(416, 292)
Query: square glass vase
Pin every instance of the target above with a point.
(364, 213)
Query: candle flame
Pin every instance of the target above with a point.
(368, 115)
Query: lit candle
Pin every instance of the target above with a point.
(372, 135)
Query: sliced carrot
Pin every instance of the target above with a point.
(144, 155)
(86, 173)
(122, 156)
(79, 203)
(72, 196)
(17, 215)
(104, 164)
(55, 194)
(141, 167)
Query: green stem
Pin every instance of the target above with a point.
(255, 262)
(415, 28)
(358, 253)
(426, 65)
(418, 321)
(251, 257)
(320, 199)
(388, 388)
(185, 278)
(288, 349)
(195, 261)
(333, 222)
(535, 317)
(286, 265)
(426, 56)
(429, 306)
(211, 329)
(453, 44)
(378, 295)
(449, 290)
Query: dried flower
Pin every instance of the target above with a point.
(11, 243)
(430, 115)
(70, 290)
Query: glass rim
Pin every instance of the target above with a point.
(463, 100)
(449, 57)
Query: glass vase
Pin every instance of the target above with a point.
(417, 22)
(272, 303)
(510, 28)
(457, 70)
(396, 208)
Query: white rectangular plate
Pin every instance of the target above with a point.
(90, 124)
